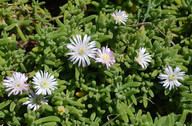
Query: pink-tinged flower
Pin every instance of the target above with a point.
(170, 79)
(16, 83)
(120, 17)
(105, 56)
(82, 50)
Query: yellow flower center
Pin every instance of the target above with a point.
(139, 58)
(19, 85)
(44, 84)
(38, 101)
(105, 57)
(81, 51)
(172, 77)
(118, 18)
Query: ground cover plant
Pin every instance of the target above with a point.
(96, 62)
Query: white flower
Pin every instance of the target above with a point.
(34, 101)
(16, 83)
(171, 77)
(105, 56)
(120, 17)
(44, 83)
(81, 50)
(143, 58)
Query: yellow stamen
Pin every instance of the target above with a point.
(44, 84)
(19, 85)
(38, 101)
(172, 77)
(105, 57)
(81, 51)
(139, 58)
(117, 17)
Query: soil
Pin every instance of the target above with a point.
(54, 6)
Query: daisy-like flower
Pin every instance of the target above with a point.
(170, 79)
(105, 56)
(16, 83)
(34, 101)
(143, 58)
(81, 50)
(120, 17)
(44, 83)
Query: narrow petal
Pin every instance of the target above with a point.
(170, 79)
(44, 82)
(82, 50)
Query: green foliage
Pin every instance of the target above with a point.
(32, 40)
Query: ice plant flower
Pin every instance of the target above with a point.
(61, 110)
(16, 83)
(44, 83)
(170, 79)
(81, 50)
(120, 17)
(143, 58)
(105, 56)
(34, 101)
